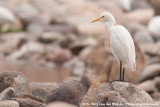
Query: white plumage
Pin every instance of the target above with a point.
(121, 42)
(122, 47)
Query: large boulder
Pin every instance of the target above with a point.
(42, 90)
(119, 94)
(14, 79)
(70, 91)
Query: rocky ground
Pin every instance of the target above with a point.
(52, 56)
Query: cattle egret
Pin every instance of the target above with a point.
(121, 43)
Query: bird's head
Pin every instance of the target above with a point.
(106, 17)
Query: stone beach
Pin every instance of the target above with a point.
(51, 55)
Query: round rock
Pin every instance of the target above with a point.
(14, 79)
(70, 91)
(42, 90)
(121, 93)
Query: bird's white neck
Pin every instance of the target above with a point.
(109, 26)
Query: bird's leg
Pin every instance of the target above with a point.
(120, 79)
(123, 74)
(120, 70)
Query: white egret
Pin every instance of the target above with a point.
(121, 43)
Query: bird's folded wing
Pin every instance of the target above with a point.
(126, 41)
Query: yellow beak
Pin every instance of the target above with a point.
(97, 19)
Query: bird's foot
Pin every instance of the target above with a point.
(118, 81)
(123, 81)
(114, 81)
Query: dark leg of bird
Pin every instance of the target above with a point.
(123, 74)
(120, 70)
(119, 74)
